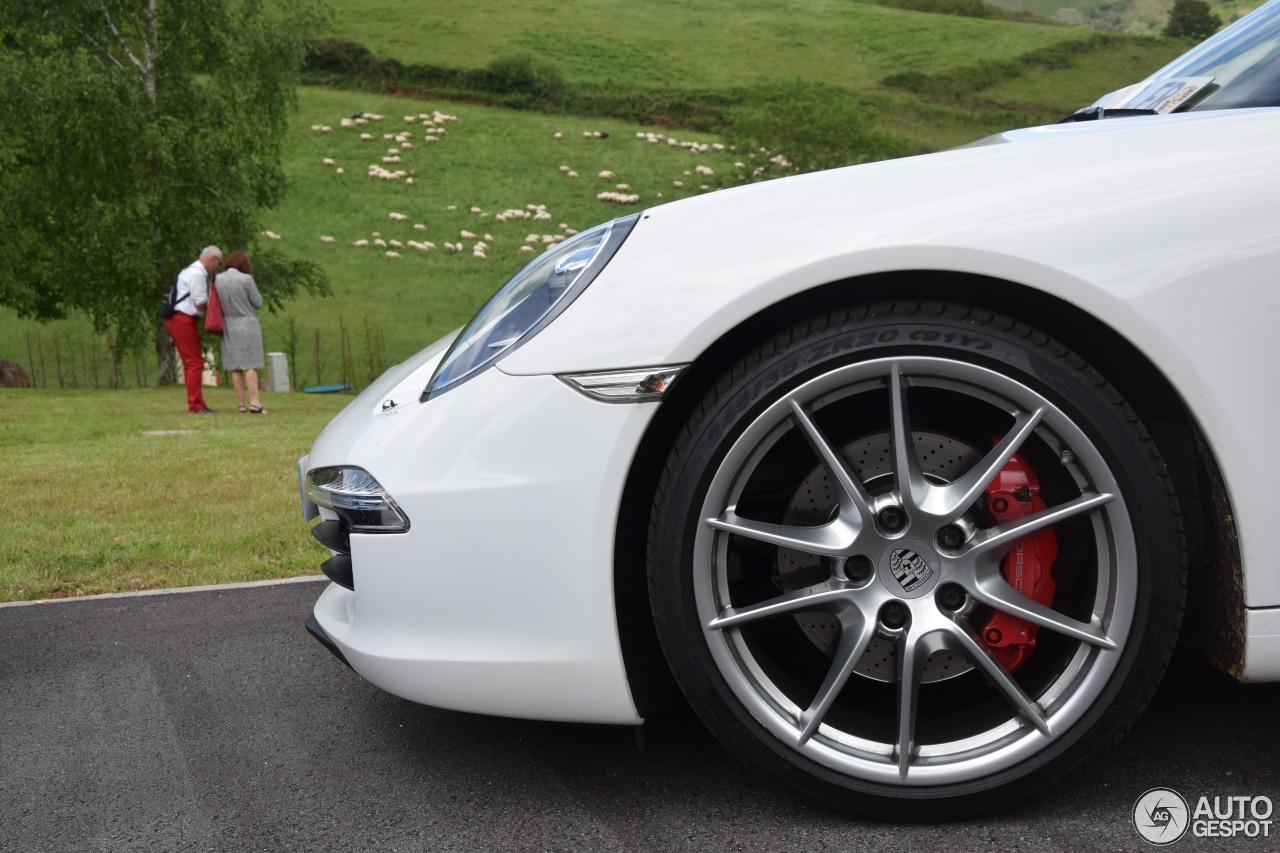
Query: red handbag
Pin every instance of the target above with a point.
(213, 312)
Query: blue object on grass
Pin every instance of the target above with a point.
(326, 389)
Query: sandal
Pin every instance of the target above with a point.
(257, 410)
(243, 410)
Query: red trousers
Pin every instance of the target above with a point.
(185, 331)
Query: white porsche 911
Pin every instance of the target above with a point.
(901, 470)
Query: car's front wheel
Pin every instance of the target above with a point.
(917, 562)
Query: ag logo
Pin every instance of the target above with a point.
(1161, 816)
(909, 568)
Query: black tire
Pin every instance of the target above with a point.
(800, 616)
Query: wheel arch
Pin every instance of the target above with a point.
(1215, 605)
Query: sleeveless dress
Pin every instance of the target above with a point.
(241, 334)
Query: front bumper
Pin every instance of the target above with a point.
(499, 598)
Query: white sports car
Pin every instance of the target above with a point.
(901, 470)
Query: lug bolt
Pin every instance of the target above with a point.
(993, 636)
(999, 505)
(951, 537)
(858, 568)
(892, 519)
(893, 616)
(951, 597)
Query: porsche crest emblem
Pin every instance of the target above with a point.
(909, 568)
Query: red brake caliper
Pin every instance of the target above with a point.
(1014, 493)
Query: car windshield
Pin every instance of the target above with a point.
(1239, 67)
(1243, 60)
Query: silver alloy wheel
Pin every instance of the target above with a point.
(820, 721)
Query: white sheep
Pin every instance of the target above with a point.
(328, 161)
(526, 248)
(418, 226)
(618, 198)
(366, 137)
(271, 235)
(396, 244)
(606, 175)
(380, 243)
(326, 239)
(466, 235)
(396, 217)
(391, 254)
(360, 244)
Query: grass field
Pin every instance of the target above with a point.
(491, 159)
(122, 490)
(677, 44)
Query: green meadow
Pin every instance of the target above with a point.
(121, 490)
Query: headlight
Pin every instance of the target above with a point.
(357, 498)
(529, 301)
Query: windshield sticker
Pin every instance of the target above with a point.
(1161, 95)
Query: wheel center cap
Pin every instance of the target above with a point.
(909, 568)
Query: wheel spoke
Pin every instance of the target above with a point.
(951, 500)
(913, 652)
(971, 647)
(826, 597)
(995, 542)
(851, 492)
(833, 539)
(911, 482)
(854, 639)
(994, 591)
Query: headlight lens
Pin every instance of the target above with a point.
(529, 301)
(357, 498)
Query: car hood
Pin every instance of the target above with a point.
(1120, 125)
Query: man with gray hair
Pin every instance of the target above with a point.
(189, 301)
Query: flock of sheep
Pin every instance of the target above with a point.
(432, 126)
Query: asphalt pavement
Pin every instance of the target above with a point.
(211, 721)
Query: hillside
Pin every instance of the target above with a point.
(1134, 17)
(933, 80)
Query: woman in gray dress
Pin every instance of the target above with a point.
(241, 333)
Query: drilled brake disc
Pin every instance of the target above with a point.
(942, 459)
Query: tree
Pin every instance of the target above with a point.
(133, 133)
(1192, 19)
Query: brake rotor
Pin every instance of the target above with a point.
(943, 459)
